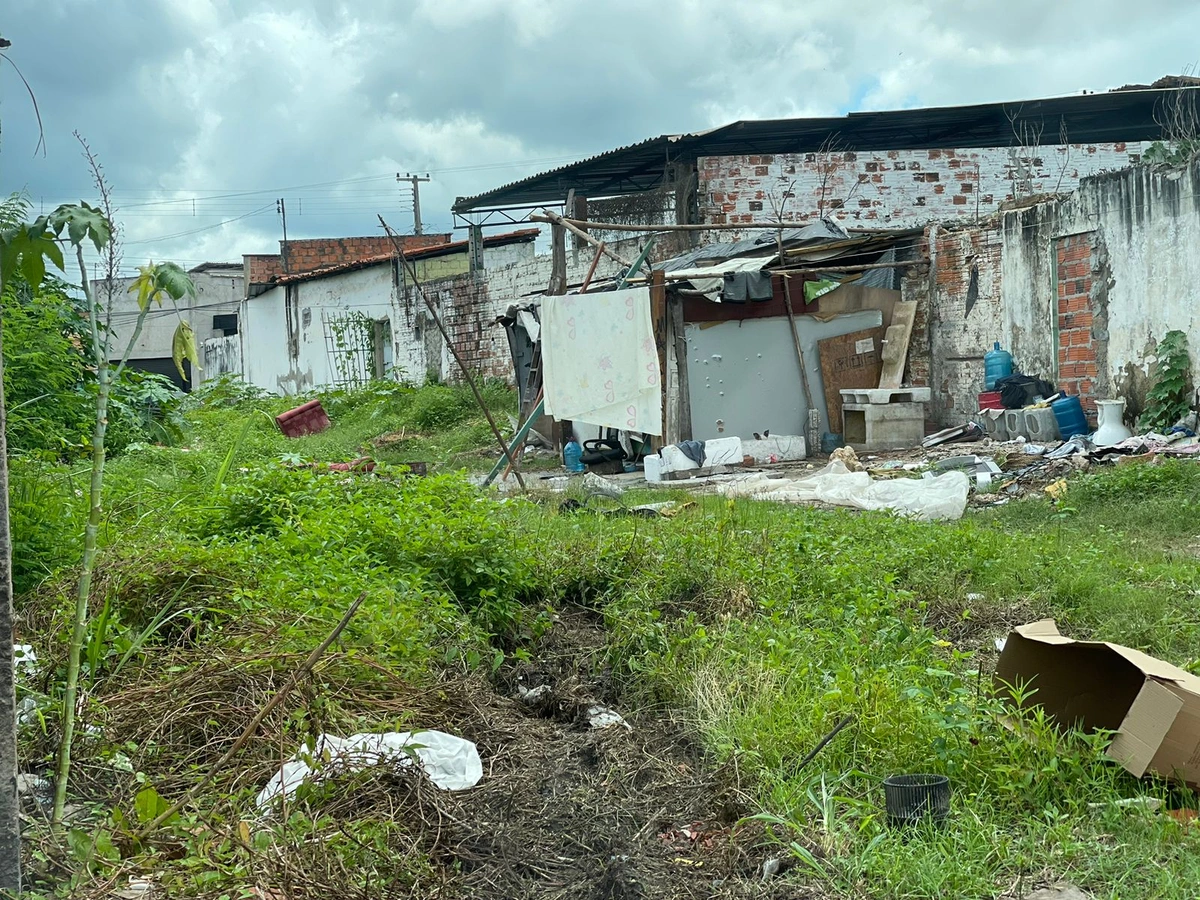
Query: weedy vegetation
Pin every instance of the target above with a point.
(732, 636)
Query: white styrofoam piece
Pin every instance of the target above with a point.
(723, 452)
(675, 460)
(776, 448)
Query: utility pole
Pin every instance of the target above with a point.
(415, 180)
(281, 208)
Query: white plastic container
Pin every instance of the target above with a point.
(653, 467)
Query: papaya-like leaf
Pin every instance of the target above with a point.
(173, 280)
(156, 280)
(26, 248)
(81, 221)
(183, 346)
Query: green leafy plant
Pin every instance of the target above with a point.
(1167, 399)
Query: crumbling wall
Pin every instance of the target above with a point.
(959, 316)
(1092, 283)
(469, 306)
(896, 188)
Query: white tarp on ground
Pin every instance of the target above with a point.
(931, 497)
(600, 361)
(451, 763)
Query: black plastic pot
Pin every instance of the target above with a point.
(911, 798)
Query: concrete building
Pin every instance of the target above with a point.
(212, 313)
(1038, 224)
(346, 322)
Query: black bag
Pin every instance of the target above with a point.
(1018, 391)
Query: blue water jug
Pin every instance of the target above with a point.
(1071, 420)
(997, 364)
(572, 454)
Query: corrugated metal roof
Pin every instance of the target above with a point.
(1084, 118)
(642, 160)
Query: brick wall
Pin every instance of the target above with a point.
(260, 268)
(1078, 366)
(307, 254)
(896, 187)
(959, 315)
(915, 287)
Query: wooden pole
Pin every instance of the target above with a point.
(658, 316)
(555, 219)
(858, 267)
(587, 279)
(437, 320)
(787, 302)
(622, 226)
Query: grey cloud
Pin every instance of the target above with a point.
(186, 98)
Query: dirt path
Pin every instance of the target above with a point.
(566, 810)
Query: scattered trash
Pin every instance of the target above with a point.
(27, 711)
(308, 418)
(911, 798)
(1184, 816)
(1077, 444)
(451, 763)
(24, 658)
(603, 717)
(139, 887)
(534, 696)
(983, 470)
(665, 509)
(362, 464)
(1033, 450)
(928, 498)
(1153, 706)
(968, 431)
(36, 793)
(600, 487)
(776, 865)
(847, 457)
(976, 598)
(1057, 489)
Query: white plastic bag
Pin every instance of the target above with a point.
(451, 763)
(928, 498)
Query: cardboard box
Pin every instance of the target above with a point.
(1153, 707)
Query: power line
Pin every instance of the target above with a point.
(168, 237)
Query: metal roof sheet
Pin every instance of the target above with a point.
(1084, 119)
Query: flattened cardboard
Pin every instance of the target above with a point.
(1153, 706)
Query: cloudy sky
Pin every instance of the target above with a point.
(205, 111)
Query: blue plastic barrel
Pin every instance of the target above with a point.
(997, 364)
(572, 454)
(1071, 420)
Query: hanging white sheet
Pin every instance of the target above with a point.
(600, 361)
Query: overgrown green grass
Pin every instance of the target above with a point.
(766, 624)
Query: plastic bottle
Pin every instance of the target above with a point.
(1071, 420)
(572, 454)
(997, 364)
